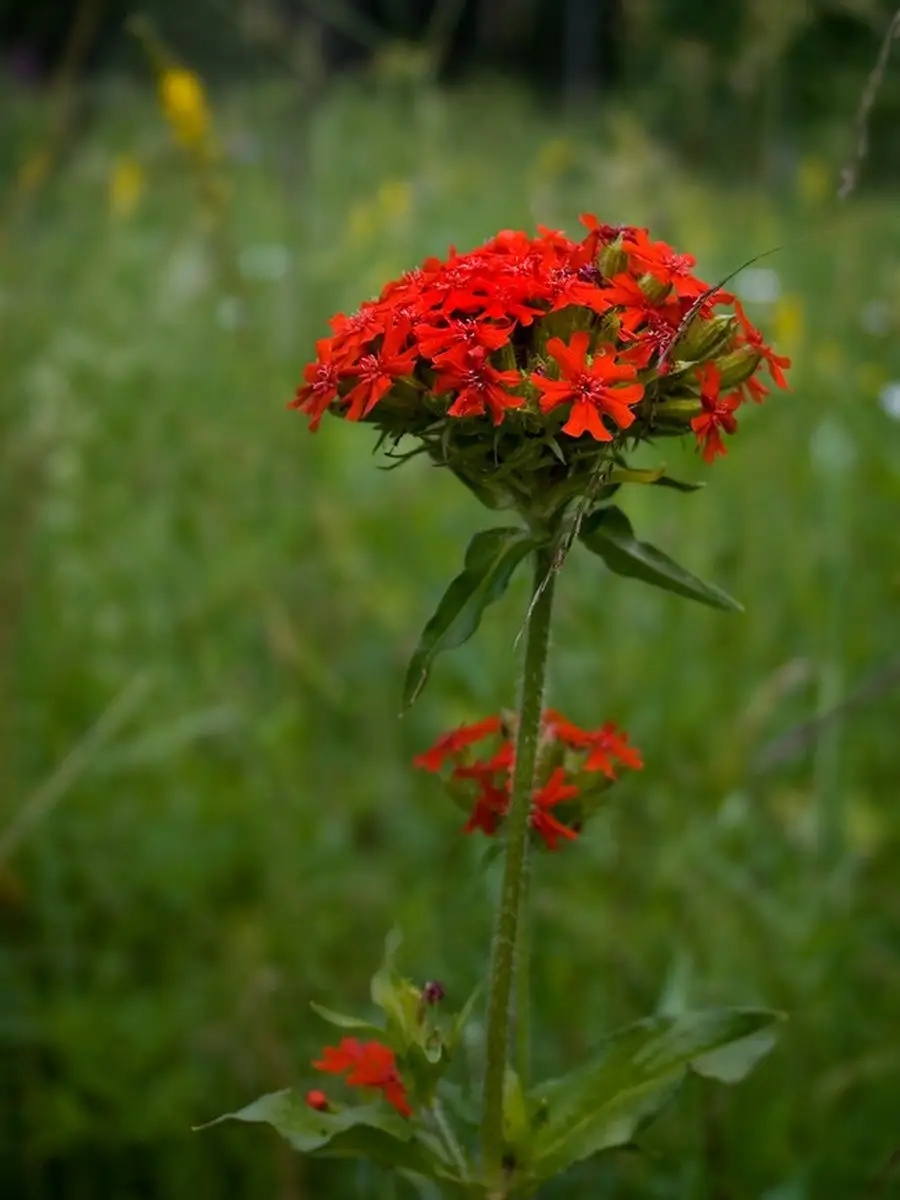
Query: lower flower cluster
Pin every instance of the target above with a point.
(367, 1065)
(574, 766)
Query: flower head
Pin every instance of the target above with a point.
(367, 1065)
(523, 364)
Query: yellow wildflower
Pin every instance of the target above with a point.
(183, 100)
(126, 183)
(788, 322)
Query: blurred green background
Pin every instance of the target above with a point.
(207, 811)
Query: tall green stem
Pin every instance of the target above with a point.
(512, 893)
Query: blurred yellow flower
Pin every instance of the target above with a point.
(555, 157)
(871, 378)
(393, 198)
(126, 183)
(787, 322)
(183, 100)
(813, 181)
(362, 223)
(829, 358)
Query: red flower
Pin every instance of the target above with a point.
(317, 1100)
(477, 384)
(450, 744)
(493, 776)
(602, 744)
(778, 363)
(435, 340)
(543, 822)
(378, 370)
(368, 1065)
(608, 743)
(321, 387)
(661, 261)
(589, 387)
(637, 307)
(492, 800)
(718, 413)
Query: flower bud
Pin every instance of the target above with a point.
(737, 367)
(679, 411)
(705, 339)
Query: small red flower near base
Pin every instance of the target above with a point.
(317, 1100)
(368, 1065)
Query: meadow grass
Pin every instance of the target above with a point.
(244, 827)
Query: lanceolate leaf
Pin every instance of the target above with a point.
(678, 485)
(364, 1132)
(490, 561)
(608, 532)
(606, 1101)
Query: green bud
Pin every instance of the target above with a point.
(612, 260)
(737, 367)
(654, 289)
(677, 412)
(704, 340)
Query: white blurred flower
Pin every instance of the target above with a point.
(889, 399)
(759, 285)
(266, 263)
(875, 318)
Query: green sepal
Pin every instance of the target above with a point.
(605, 1102)
(491, 559)
(608, 533)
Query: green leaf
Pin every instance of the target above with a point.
(462, 1017)
(342, 1021)
(636, 474)
(608, 532)
(516, 1122)
(491, 559)
(678, 485)
(606, 1101)
(392, 993)
(367, 1131)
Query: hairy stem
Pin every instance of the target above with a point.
(512, 894)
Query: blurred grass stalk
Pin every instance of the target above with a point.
(38, 806)
(833, 459)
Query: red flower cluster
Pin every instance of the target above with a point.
(368, 1065)
(529, 324)
(588, 751)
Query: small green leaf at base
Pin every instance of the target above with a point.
(491, 559)
(608, 533)
(604, 1103)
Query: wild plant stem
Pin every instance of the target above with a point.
(513, 888)
(522, 1024)
(449, 1138)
